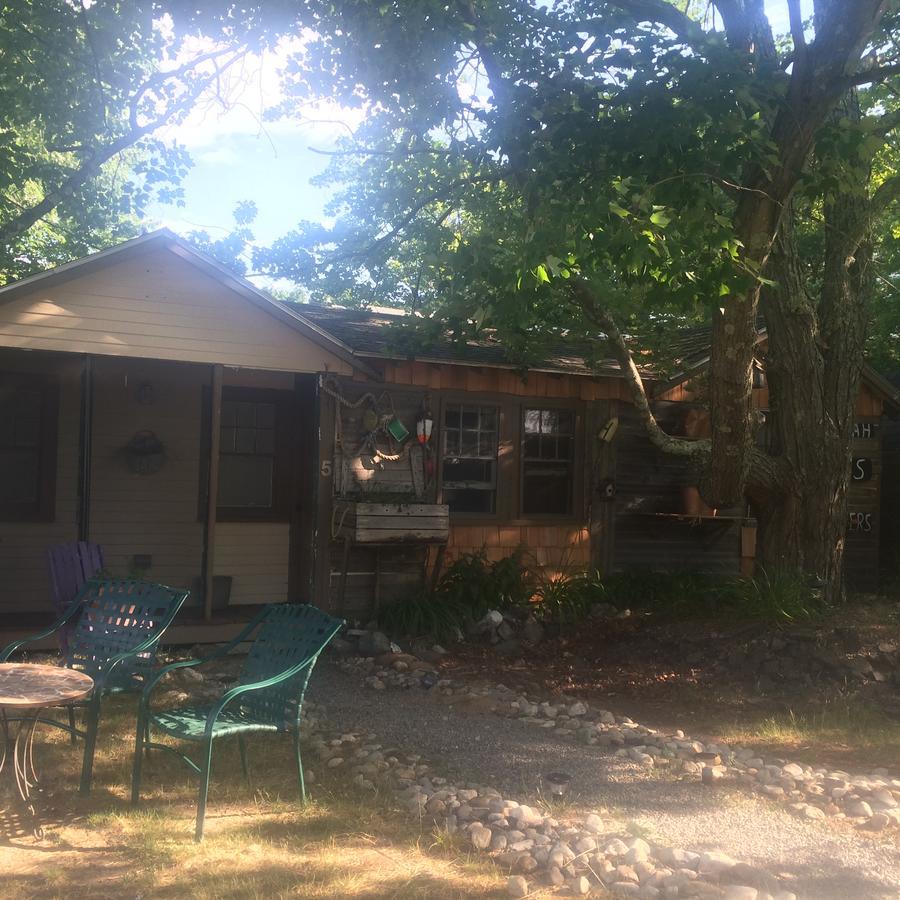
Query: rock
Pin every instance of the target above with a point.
(740, 892)
(505, 630)
(577, 709)
(580, 885)
(491, 619)
(512, 647)
(594, 824)
(792, 770)
(860, 808)
(602, 611)
(878, 822)
(714, 862)
(532, 631)
(340, 646)
(374, 643)
(557, 879)
(480, 836)
(516, 886)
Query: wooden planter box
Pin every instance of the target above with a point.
(391, 523)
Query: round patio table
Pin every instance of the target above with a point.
(26, 689)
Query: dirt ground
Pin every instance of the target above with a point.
(673, 675)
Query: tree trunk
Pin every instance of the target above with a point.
(813, 365)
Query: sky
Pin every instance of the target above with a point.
(238, 157)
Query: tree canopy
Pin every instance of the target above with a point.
(84, 89)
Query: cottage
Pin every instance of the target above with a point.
(210, 437)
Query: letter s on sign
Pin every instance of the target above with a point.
(326, 468)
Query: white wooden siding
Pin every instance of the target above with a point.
(255, 555)
(157, 514)
(158, 306)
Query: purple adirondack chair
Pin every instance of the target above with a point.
(71, 565)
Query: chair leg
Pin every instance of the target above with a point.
(147, 738)
(72, 736)
(92, 721)
(300, 778)
(204, 792)
(142, 735)
(242, 745)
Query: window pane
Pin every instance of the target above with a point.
(469, 443)
(226, 440)
(244, 440)
(547, 470)
(265, 415)
(469, 458)
(265, 440)
(246, 414)
(487, 444)
(461, 500)
(245, 481)
(547, 488)
(451, 442)
(229, 412)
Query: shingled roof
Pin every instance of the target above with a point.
(378, 334)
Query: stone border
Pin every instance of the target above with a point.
(811, 792)
(537, 849)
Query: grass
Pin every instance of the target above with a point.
(260, 842)
(839, 732)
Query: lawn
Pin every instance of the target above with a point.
(260, 842)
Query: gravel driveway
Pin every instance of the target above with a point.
(818, 859)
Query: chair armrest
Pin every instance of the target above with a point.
(9, 649)
(185, 663)
(236, 691)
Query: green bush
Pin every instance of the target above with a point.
(467, 590)
(565, 599)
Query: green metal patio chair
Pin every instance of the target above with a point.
(115, 627)
(268, 694)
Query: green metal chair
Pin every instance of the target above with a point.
(114, 628)
(268, 694)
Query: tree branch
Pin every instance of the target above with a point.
(92, 165)
(659, 12)
(867, 76)
(796, 19)
(589, 304)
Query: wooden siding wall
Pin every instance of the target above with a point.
(152, 515)
(255, 555)
(24, 579)
(649, 534)
(158, 306)
(555, 547)
(889, 534)
(437, 377)
(861, 553)
(155, 514)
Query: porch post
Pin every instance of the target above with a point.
(209, 554)
(85, 433)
